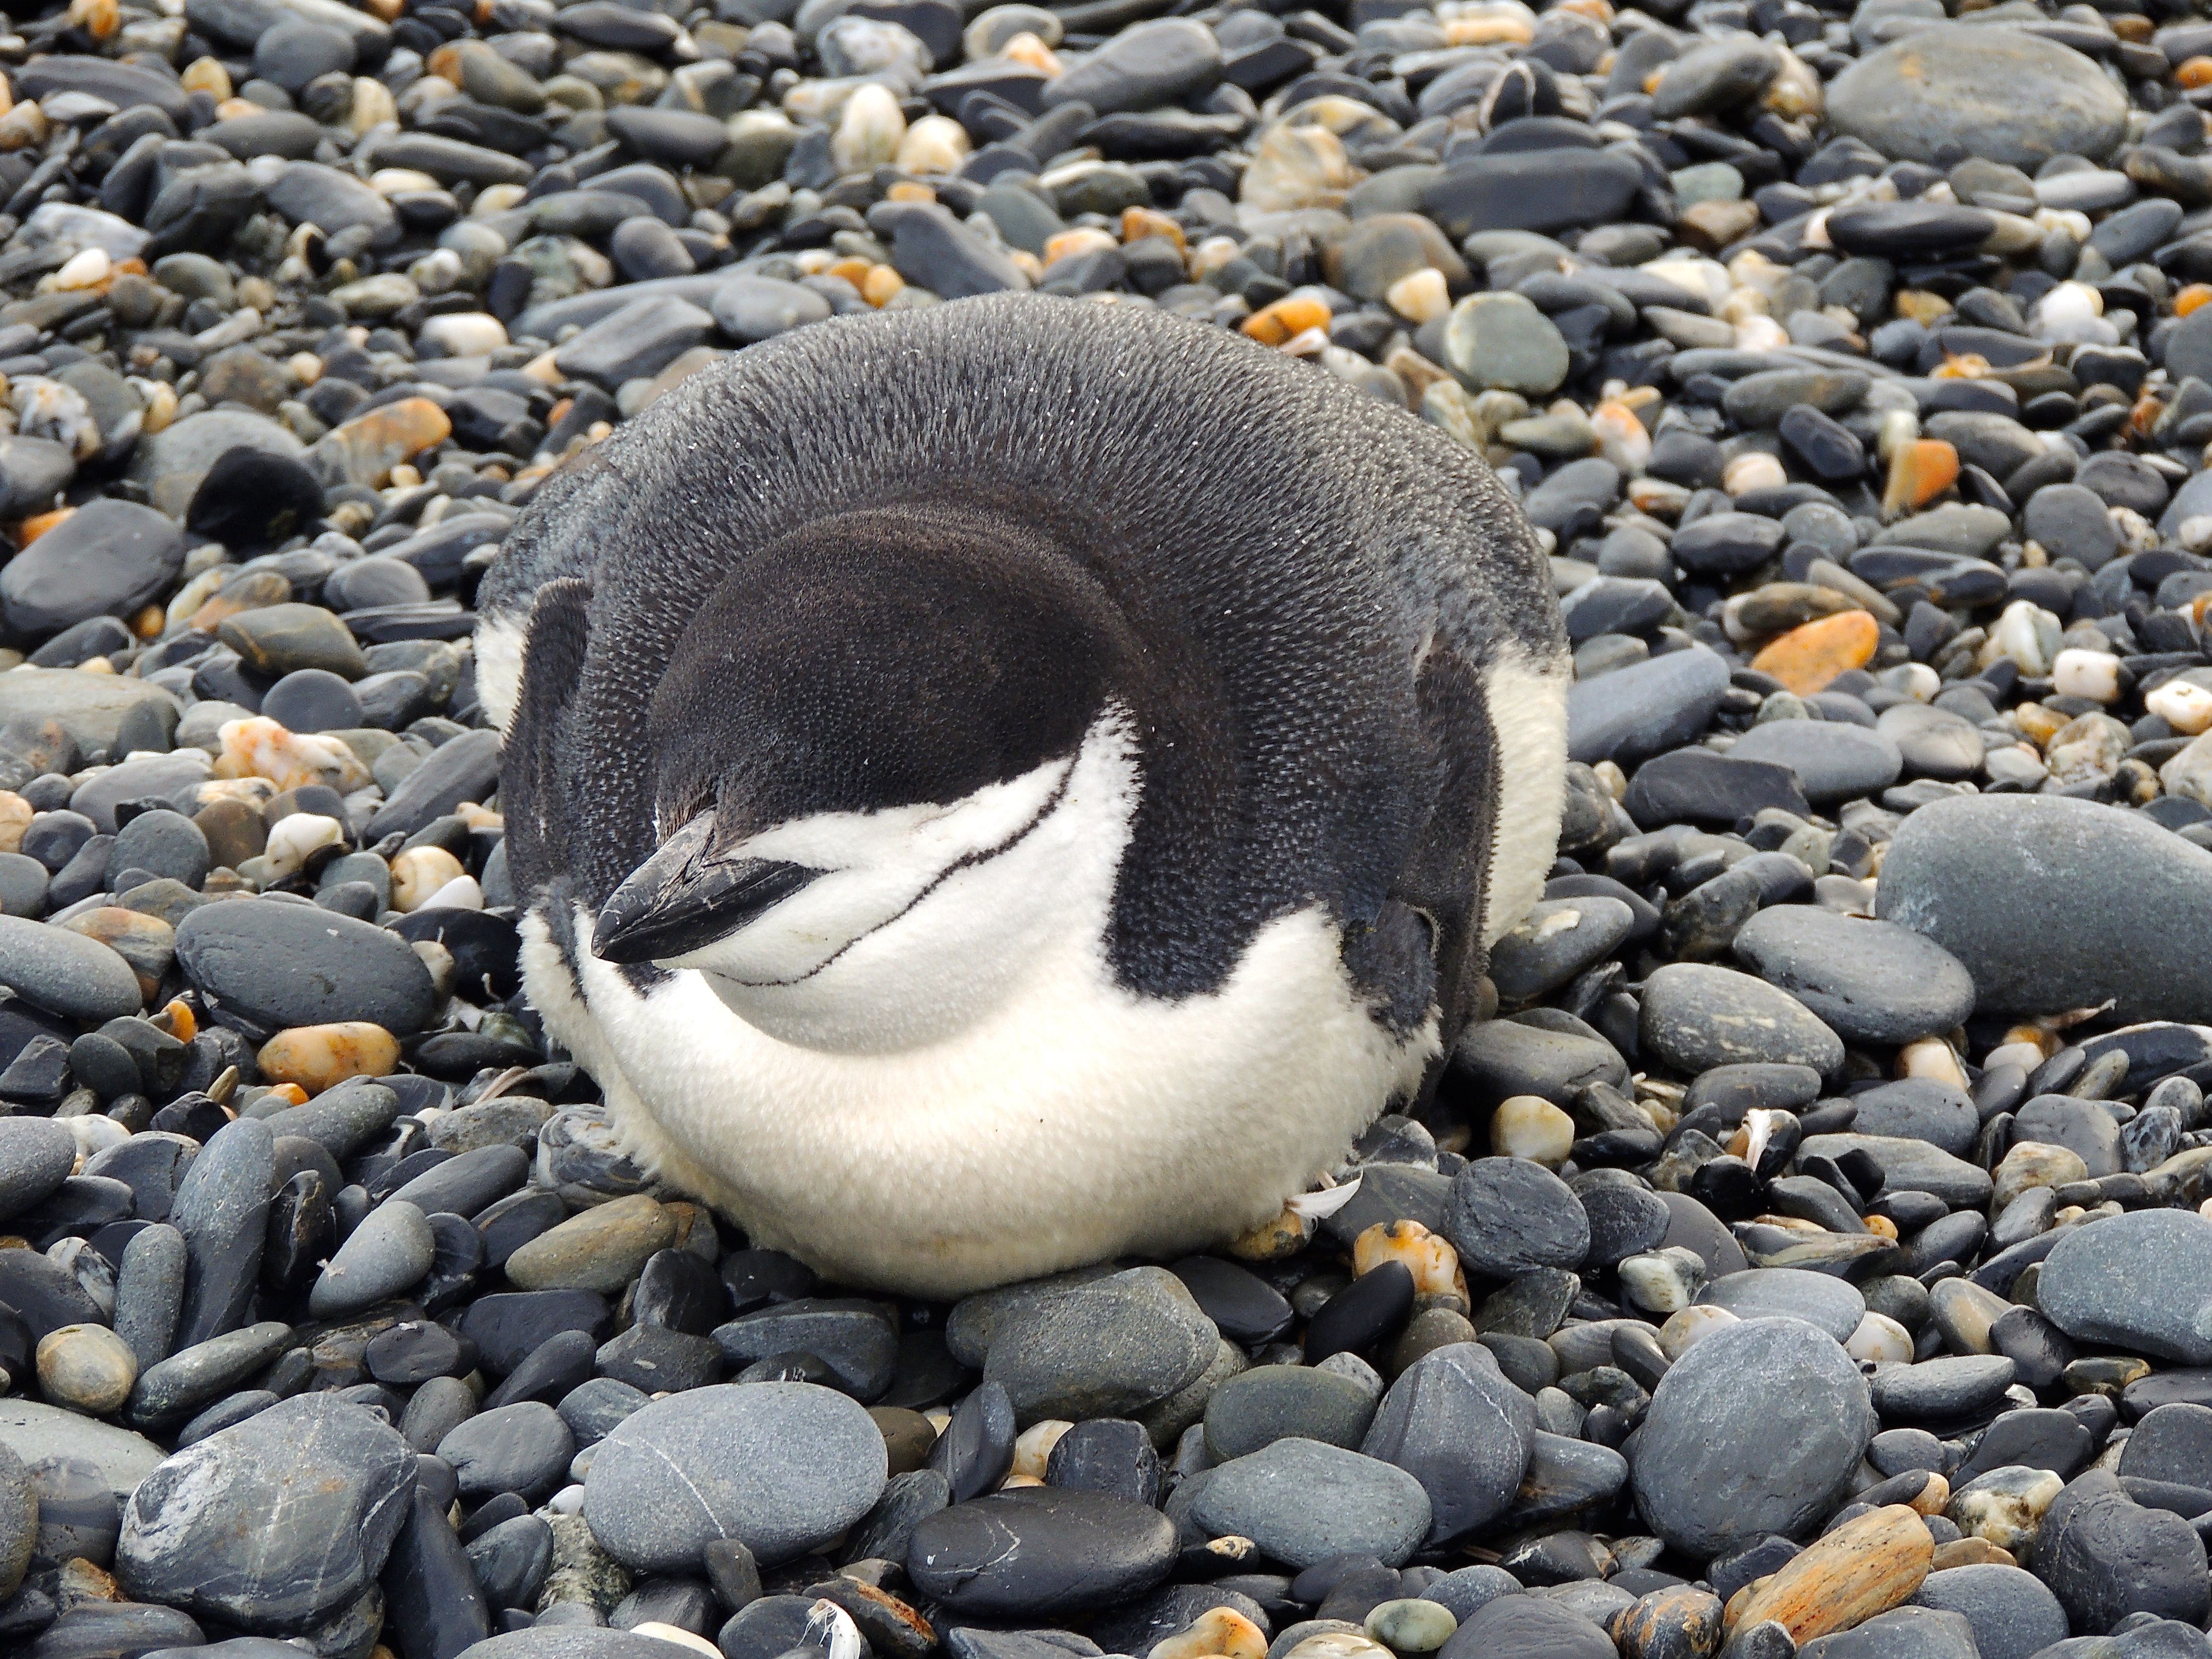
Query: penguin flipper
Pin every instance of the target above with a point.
(1444, 879)
(559, 635)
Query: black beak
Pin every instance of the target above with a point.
(682, 897)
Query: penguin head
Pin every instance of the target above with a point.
(868, 754)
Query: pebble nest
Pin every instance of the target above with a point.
(1814, 1251)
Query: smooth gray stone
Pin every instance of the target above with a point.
(2141, 1281)
(1302, 1501)
(150, 1293)
(2013, 1612)
(107, 559)
(1454, 1423)
(1755, 1429)
(749, 308)
(36, 1156)
(1105, 1349)
(2171, 1442)
(1910, 1166)
(1504, 1057)
(1646, 707)
(780, 1466)
(1933, 743)
(1833, 761)
(1914, 1109)
(1908, 1632)
(1948, 1386)
(2106, 1556)
(36, 1431)
(221, 1208)
(1274, 1402)
(390, 1250)
(523, 1448)
(295, 964)
(1868, 981)
(64, 972)
(1820, 1300)
(640, 340)
(2030, 891)
(1695, 1016)
(2001, 94)
(273, 1524)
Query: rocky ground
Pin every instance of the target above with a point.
(1811, 1254)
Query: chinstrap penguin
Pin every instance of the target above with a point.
(1003, 784)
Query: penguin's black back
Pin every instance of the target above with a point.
(1303, 590)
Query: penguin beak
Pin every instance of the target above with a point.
(683, 898)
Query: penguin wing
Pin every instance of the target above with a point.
(532, 787)
(560, 537)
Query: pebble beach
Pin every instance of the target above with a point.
(1811, 1253)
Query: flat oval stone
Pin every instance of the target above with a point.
(390, 1250)
(1754, 1429)
(2141, 1281)
(1038, 1552)
(1274, 1402)
(1868, 981)
(1509, 1215)
(1821, 1300)
(1303, 1502)
(1695, 1016)
(1833, 761)
(36, 1156)
(2003, 94)
(65, 972)
(296, 964)
(780, 1466)
(2029, 892)
(2014, 1614)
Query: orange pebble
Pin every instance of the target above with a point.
(291, 1092)
(1806, 659)
(2191, 296)
(855, 271)
(38, 523)
(148, 623)
(1287, 318)
(1067, 244)
(881, 284)
(910, 189)
(1919, 472)
(1139, 222)
(2194, 71)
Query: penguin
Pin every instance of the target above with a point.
(1003, 784)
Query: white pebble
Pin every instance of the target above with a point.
(298, 838)
(2092, 674)
(2182, 704)
(680, 1637)
(2025, 633)
(1880, 1339)
(95, 1132)
(461, 893)
(465, 333)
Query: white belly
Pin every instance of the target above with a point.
(1072, 1123)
